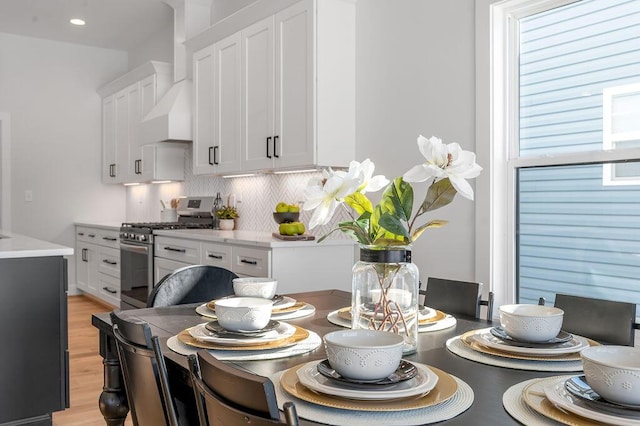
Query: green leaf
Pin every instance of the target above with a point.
(394, 225)
(432, 224)
(356, 230)
(387, 242)
(440, 194)
(397, 199)
(359, 202)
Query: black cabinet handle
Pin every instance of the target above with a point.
(175, 249)
(84, 255)
(81, 234)
(250, 262)
(112, 170)
(109, 262)
(91, 235)
(210, 150)
(109, 238)
(215, 256)
(268, 140)
(275, 144)
(215, 155)
(110, 290)
(138, 167)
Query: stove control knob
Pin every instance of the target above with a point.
(142, 237)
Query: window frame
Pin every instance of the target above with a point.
(497, 132)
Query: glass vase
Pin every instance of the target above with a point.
(385, 293)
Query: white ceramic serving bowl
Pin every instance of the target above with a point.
(531, 323)
(364, 354)
(255, 287)
(613, 372)
(243, 313)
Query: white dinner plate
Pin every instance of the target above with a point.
(285, 302)
(424, 381)
(558, 396)
(572, 346)
(200, 332)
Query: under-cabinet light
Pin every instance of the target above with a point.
(286, 172)
(77, 21)
(235, 176)
(160, 181)
(131, 184)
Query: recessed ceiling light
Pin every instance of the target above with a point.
(77, 21)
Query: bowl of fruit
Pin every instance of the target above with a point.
(286, 216)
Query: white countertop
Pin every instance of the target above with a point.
(16, 245)
(112, 226)
(255, 238)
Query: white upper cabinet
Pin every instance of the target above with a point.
(217, 107)
(125, 102)
(297, 87)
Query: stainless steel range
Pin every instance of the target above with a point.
(136, 248)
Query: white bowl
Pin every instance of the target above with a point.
(613, 372)
(255, 287)
(531, 323)
(364, 354)
(243, 313)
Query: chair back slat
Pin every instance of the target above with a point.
(226, 395)
(605, 321)
(455, 297)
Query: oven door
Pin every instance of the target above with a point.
(136, 274)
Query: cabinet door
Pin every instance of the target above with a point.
(142, 159)
(294, 142)
(82, 266)
(216, 255)
(258, 95)
(227, 141)
(126, 130)
(109, 159)
(203, 101)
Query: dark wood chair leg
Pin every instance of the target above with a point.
(113, 399)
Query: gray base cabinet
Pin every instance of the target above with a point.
(34, 357)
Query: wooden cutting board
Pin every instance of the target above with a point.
(303, 237)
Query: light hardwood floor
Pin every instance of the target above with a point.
(85, 365)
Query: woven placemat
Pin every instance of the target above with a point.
(307, 345)
(456, 346)
(517, 408)
(449, 409)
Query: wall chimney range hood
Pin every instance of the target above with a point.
(170, 119)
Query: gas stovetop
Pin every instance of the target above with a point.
(143, 231)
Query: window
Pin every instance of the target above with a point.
(563, 145)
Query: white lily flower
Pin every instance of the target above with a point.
(325, 198)
(445, 160)
(369, 183)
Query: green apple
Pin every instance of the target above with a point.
(294, 208)
(300, 228)
(282, 207)
(288, 228)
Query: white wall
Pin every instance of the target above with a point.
(415, 75)
(158, 47)
(49, 90)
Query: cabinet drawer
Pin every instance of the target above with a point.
(216, 255)
(109, 289)
(87, 235)
(109, 261)
(109, 238)
(250, 261)
(176, 249)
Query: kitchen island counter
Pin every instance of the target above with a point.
(110, 226)
(17, 246)
(253, 238)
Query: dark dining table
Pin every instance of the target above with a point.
(488, 382)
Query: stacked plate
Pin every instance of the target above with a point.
(211, 335)
(412, 386)
(564, 347)
(572, 401)
(429, 319)
(284, 307)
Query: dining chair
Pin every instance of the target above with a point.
(605, 321)
(457, 297)
(226, 395)
(144, 373)
(192, 284)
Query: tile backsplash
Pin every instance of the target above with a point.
(256, 197)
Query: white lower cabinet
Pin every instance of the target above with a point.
(98, 263)
(297, 267)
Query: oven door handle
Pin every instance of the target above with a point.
(134, 248)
